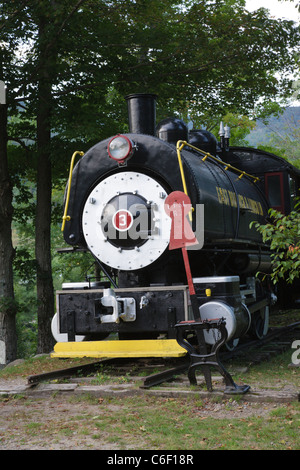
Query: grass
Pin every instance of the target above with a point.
(148, 422)
(39, 365)
(161, 424)
(275, 374)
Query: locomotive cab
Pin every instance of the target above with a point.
(279, 180)
(281, 188)
(280, 183)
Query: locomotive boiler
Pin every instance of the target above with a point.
(115, 208)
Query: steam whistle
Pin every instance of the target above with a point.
(224, 134)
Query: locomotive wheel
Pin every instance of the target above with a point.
(260, 323)
(260, 319)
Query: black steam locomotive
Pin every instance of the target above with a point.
(115, 208)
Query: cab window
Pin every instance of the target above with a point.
(293, 190)
(274, 190)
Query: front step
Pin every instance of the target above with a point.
(120, 348)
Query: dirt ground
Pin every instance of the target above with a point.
(77, 421)
(60, 422)
(44, 424)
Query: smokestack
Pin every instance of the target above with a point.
(141, 113)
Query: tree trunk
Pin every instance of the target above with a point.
(8, 334)
(45, 293)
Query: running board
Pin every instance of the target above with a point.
(120, 348)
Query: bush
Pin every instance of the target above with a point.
(283, 234)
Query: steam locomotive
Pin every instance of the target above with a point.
(115, 208)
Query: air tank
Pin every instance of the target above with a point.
(171, 130)
(203, 140)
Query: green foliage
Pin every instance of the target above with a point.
(211, 57)
(283, 235)
(24, 265)
(280, 134)
(69, 267)
(264, 110)
(26, 321)
(25, 288)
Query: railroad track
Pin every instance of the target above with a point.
(276, 341)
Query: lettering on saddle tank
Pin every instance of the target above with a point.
(228, 198)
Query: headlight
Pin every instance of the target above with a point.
(120, 148)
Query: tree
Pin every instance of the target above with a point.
(222, 62)
(280, 134)
(286, 139)
(73, 61)
(47, 60)
(8, 339)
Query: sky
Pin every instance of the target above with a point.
(278, 9)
